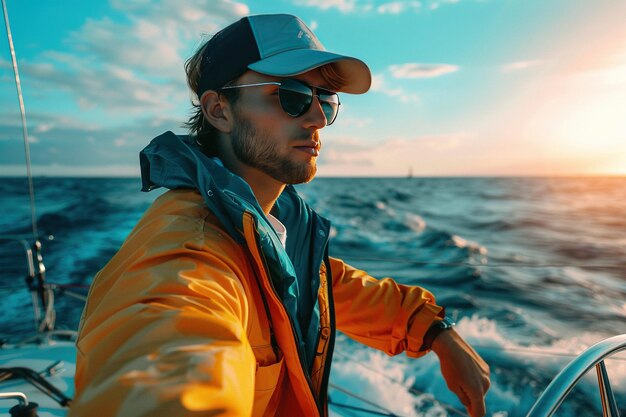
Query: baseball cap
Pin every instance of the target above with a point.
(279, 45)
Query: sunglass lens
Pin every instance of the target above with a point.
(330, 105)
(295, 97)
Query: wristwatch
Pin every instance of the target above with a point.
(435, 330)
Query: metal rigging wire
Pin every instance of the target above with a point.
(36, 279)
(479, 265)
(31, 190)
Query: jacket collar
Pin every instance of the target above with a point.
(173, 162)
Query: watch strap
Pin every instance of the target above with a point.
(435, 330)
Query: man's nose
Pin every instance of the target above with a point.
(315, 117)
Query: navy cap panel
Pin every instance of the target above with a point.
(228, 55)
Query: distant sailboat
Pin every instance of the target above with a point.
(410, 174)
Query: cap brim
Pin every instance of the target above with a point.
(354, 72)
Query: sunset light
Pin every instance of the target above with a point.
(467, 88)
(337, 208)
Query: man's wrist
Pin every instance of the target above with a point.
(435, 330)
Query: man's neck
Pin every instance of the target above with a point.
(265, 188)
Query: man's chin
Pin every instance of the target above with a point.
(303, 175)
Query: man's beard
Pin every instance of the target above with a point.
(256, 149)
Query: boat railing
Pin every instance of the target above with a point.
(27, 250)
(42, 294)
(565, 381)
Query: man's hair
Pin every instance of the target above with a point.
(204, 132)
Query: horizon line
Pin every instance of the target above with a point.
(425, 176)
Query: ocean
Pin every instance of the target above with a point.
(533, 271)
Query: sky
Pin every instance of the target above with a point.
(460, 87)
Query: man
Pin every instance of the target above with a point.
(223, 299)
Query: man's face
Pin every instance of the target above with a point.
(269, 142)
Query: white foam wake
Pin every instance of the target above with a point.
(409, 387)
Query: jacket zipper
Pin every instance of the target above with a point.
(303, 366)
(331, 339)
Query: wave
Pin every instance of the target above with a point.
(519, 373)
(504, 224)
(508, 262)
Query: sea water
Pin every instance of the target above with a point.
(533, 271)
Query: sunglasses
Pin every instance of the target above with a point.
(296, 97)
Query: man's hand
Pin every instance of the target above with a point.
(465, 372)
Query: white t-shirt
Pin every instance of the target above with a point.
(280, 229)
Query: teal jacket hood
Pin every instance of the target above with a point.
(173, 161)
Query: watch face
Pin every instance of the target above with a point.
(446, 323)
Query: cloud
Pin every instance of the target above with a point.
(366, 6)
(346, 152)
(520, 65)
(443, 143)
(431, 143)
(97, 146)
(342, 5)
(611, 76)
(416, 70)
(191, 16)
(135, 64)
(354, 121)
(380, 85)
(435, 4)
(44, 127)
(119, 142)
(57, 170)
(393, 156)
(397, 7)
(110, 88)
(107, 87)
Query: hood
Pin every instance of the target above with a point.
(173, 161)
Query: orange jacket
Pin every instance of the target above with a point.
(203, 311)
(184, 322)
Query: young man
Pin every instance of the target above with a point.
(223, 299)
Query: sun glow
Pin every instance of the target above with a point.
(581, 118)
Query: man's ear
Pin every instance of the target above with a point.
(217, 111)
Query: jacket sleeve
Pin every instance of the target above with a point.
(381, 313)
(167, 337)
